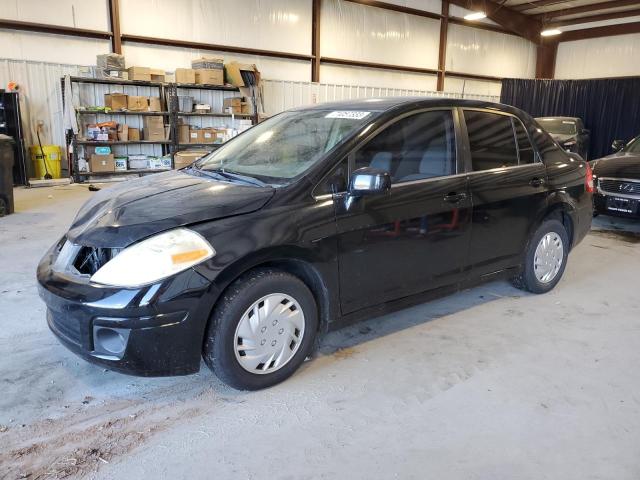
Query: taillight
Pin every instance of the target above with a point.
(588, 179)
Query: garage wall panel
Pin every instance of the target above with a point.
(358, 32)
(433, 6)
(91, 14)
(376, 77)
(170, 58)
(483, 52)
(281, 25)
(468, 87)
(51, 48)
(602, 57)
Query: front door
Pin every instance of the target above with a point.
(508, 189)
(415, 238)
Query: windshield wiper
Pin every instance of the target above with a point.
(236, 176)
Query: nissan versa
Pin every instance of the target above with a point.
(314, 218)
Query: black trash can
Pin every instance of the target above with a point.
(6, 175)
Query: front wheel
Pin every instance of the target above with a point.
(545, 258)
(262, 329)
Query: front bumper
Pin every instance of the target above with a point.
(155, 330)
(600, 205)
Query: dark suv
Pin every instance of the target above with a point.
(316, 217)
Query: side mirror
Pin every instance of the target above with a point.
(617, 145)
(369, 181)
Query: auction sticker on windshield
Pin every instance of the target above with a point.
(352, 114)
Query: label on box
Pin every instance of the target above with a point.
(193, 134)
(120, 163)
(349, 114)
(207, 135)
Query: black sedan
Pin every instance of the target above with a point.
(569, 132)
(312, 219)
(617, 179)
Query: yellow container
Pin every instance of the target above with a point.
(51, 154)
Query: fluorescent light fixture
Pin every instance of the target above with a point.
(550, 32)
(475, 16)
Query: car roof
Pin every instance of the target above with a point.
(557, 118)
(388, 103)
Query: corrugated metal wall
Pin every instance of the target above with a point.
(42, 99)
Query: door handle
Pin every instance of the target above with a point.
(454, 197)
(536, 182)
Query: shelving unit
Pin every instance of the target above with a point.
(78, 144)
(172, 91)
(168, 93)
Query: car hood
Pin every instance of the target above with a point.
(561, 138)
(118, 216)
(621, 165)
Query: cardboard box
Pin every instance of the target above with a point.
(183, 134)
(153, 128)
(232, 102)
(206, 76)
(137, 104)
(120, 164)
(102, 163)
(185, 75)
(157, 74)
(154, 104)
(233, 76)
(207, 62)
(139, 73)
(209, 135)
(246, 108)
(134, 134)
(138, 162)
(123, 132)
(115, 101)
(196, 135)
(187, 157)
(160, 163)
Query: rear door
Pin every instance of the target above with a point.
(507, 182)
(416, 238)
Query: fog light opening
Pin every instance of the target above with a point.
(109, 340)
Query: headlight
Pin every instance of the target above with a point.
(155, 258)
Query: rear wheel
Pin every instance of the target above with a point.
(261, 330)
(545, 258)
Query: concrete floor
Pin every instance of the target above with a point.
(490, 383)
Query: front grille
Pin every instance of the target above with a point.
(66, 326)
(88, 260)
(623, 187)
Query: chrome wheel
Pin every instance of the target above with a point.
(548, 257)
(269, 333)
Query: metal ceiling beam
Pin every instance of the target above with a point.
(396, 8)
(597, 32)
(114, 20)
(53, 29)
(315, 40)
(524, 25)
(537, 4)
(442, 47)
(166, 42)
(593, 18)
(586, 9)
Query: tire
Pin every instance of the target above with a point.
(529, 278)
(243, 332)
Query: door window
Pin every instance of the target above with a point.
(491, 139)
(414, 148)
(525, 149)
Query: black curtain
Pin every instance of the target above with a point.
(610, 108)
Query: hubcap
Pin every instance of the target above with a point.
(548, 257)
(269, 333)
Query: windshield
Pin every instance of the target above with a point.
(633, 146)
(285, 146)
(558, 126)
